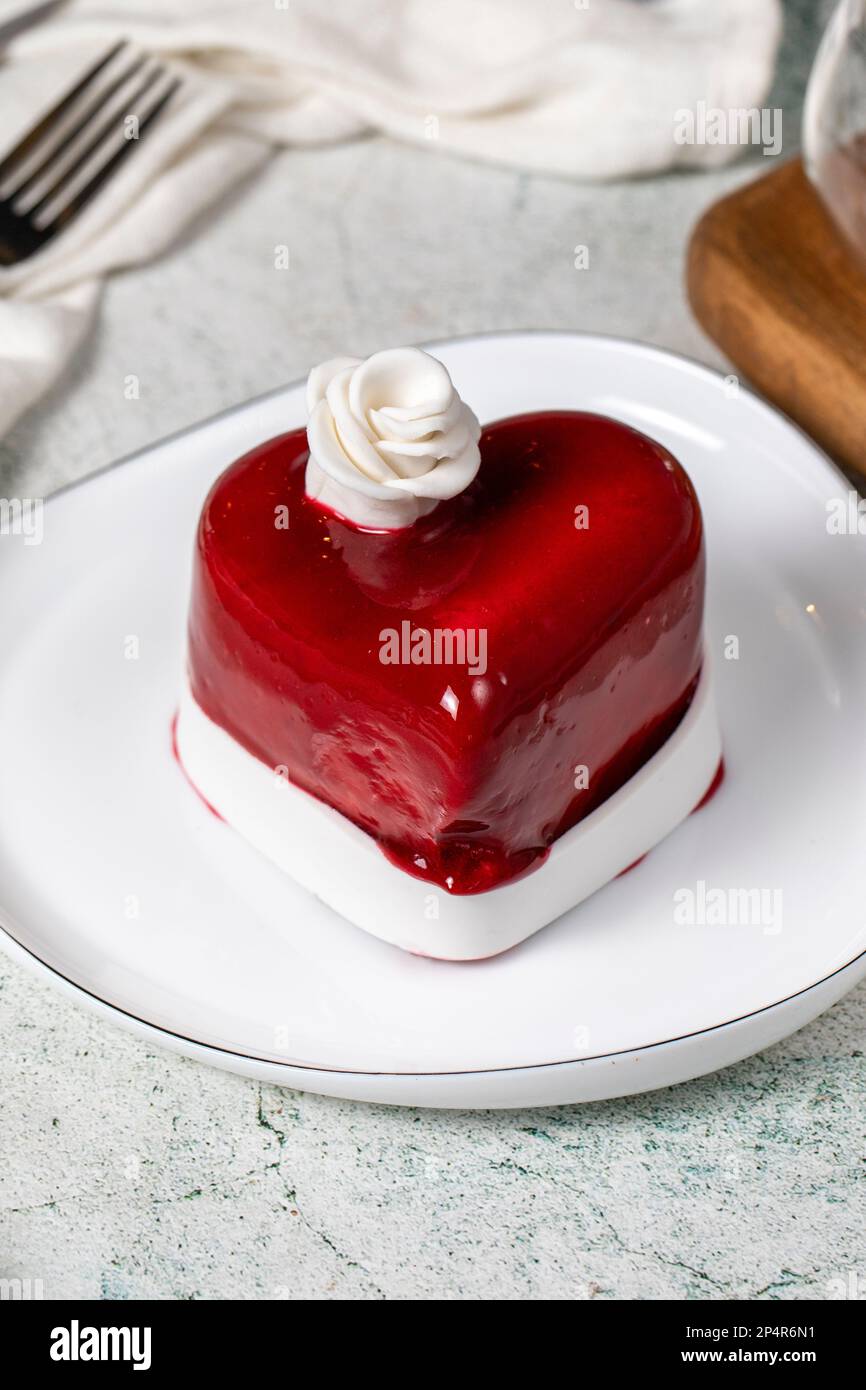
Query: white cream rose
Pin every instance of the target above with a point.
(389, 437)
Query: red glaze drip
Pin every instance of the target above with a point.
(176, 755)
(717, 781)
(593, 640)
(635, 863)
(718, 778)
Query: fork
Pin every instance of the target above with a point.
(43, 185)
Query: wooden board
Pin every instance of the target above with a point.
(772, 282)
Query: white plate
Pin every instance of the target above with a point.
(118, 885)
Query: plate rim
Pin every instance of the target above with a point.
(610, 339)
(41, 967)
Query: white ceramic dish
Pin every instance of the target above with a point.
(119, 886)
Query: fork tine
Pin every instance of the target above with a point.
(104, 173)
(103, 129)
(41, 129)
(57, 154)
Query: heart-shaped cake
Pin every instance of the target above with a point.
(464, 642)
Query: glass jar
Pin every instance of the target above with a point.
(834, 122)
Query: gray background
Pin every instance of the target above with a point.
(131, 1173)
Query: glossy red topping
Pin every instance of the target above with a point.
(577, 552)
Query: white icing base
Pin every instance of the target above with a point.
(343, 866)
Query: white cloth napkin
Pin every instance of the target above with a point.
(580, 88)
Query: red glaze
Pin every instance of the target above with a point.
(593, 640)
(717, 781)
(176, 755)
(635, 864)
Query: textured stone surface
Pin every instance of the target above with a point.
(129, 1173)
(126, 1172)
